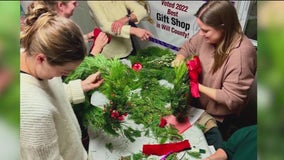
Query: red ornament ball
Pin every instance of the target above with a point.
(137, 66)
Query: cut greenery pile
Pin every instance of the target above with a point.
(144, 107)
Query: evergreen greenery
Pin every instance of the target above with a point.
(144, 107)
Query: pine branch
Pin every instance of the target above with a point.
(145, 107)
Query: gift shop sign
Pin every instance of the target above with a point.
(174, 21)
(171, 20)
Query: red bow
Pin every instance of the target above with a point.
(194, 69)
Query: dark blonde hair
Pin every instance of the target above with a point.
(59, 38)
(221, 15)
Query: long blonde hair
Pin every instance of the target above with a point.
(59, 38)
(221, 15)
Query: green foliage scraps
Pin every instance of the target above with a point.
(194, 154)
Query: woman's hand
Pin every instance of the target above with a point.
(118, 24)
(143, 34)
(89, 37)
(116, 27)
(178, 60)
(92, 82)
(100, 42)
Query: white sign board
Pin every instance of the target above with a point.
(174, 21)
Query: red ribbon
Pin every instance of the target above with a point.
(194, 69)
(162, 149)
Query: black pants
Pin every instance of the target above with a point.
(214, 137)
(227, 128)
(230, 124)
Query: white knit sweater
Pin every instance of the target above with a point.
(49, 128)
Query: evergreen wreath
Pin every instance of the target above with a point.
(150, 67)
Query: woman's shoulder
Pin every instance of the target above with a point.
(197, 36)
(196, 39)
(244, 56)
(247, 44)
(244, 48)
(35, 96)
(32, 86)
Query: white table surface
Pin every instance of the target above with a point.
(123, 147)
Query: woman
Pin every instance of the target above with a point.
(53, 47)
(113, 18)
(228, 60)
(66, 9)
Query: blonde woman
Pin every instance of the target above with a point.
(53, 47)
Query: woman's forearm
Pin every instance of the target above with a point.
(210, 92)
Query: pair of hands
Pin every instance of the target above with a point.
(117, 25)
(93, 81)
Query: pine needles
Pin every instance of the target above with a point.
(146, 106)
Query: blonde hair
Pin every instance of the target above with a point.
(59, 38)
(221, 15)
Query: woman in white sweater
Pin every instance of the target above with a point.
(53, 47)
